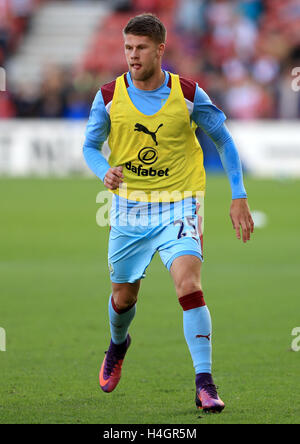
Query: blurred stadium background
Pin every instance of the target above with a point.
(57, 53)
(53, 268)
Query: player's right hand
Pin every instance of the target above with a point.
(113, 178)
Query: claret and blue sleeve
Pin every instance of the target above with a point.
(212, 121)
(97, 132)
(205, 114)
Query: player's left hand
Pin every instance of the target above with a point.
(241, 219)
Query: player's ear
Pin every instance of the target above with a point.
(161, 49)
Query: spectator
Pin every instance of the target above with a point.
(237, 51)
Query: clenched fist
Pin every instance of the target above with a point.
(113, 178)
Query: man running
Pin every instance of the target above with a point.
(155, 172)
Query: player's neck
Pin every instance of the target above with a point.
(151, 84)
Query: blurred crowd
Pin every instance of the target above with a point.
(241, 52)
(14, 19)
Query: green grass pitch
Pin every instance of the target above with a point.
(54, 288)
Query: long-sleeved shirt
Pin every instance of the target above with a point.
(202, 111)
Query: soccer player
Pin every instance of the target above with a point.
(155, 172)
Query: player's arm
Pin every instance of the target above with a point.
(97, 132)
(239, 210)
(211, 120)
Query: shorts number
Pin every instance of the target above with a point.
(191, 228)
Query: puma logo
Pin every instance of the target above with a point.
(141, 128)
(203, 336)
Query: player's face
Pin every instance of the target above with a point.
(143, 56)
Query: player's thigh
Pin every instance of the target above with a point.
(181, 252)
(129, 255)
(186, 273)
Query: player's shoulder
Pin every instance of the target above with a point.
(188, 87)
(108, 89)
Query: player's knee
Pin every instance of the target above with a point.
(124, 300)
(187, 286)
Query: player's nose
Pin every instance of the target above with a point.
(134, 54)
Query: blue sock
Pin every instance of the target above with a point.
(197, 330)
(119, 321)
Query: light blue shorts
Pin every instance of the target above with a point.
(133, 243)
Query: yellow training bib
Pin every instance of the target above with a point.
(161, 157)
